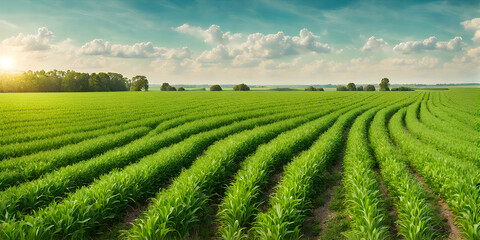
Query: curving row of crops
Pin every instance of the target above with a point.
(246, 165)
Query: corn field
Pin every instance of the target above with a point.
(240, 165)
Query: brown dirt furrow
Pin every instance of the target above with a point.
(443, 210)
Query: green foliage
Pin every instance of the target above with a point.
(369, 87)
(72, 165)
(341, 88)
(384, 84)
(351, 87)
(402, 89)
(241, 87)
(215, 87)
(139, 83)
(181, 89)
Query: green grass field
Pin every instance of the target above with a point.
(240, 165)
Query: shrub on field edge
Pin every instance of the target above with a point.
(241, 87)
(215, 87)
(181, 89)
(341, 88)
(351, 87)
(369, 87)
(402, 89)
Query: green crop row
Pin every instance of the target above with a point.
(417, 219)
(176, 210)
(24, 197)
(37, 193)
(32, 166)
(289, 204)
(450, 115)
(443, 142)
(437, 124)
(453, 179)
(243, 196)
(110, 195)
(17, 170)
(366, 207)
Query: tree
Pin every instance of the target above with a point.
(181, 89)
(75, 82)
(320, 89)
(171, 88)
(117, 82)
(164, 86)
(95, 83)
(351, 87)
(310, 88)
(215, 87)
(139, 83)
(341, 88)
(241, 87)
(384, 84)
(369, 87)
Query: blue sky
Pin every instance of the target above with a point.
(257, 42)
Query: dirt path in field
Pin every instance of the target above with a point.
(132, 213)
(272, 182)
(443, 210)
(321, 213)
(392, 211)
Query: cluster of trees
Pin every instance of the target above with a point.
(383, 86)
(241, 87)
(168, 87)
(312, 88)
(70, 81)
(353, 87)
(216, 87)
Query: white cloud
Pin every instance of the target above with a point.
(138, 50)
(474, 53)
(473, 24)
(430, 43)
(96, 47)
(374, 44)
(259, 47)
(276, 45)
(212, 35)
(217, 54)
(31, 42)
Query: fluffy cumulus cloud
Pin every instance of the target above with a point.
(31, 42)
(212, 35)
(276, 45)
(430, 43)
(138, 50)
(259, 46)
(473, 24)
(374, 44)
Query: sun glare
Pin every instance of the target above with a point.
(6, 63)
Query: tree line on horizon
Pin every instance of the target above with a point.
(383, 86)
(70, 81)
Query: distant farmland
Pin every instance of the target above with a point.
(233, 165)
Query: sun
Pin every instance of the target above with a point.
(6, 63)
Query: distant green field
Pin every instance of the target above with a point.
(257, 164)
